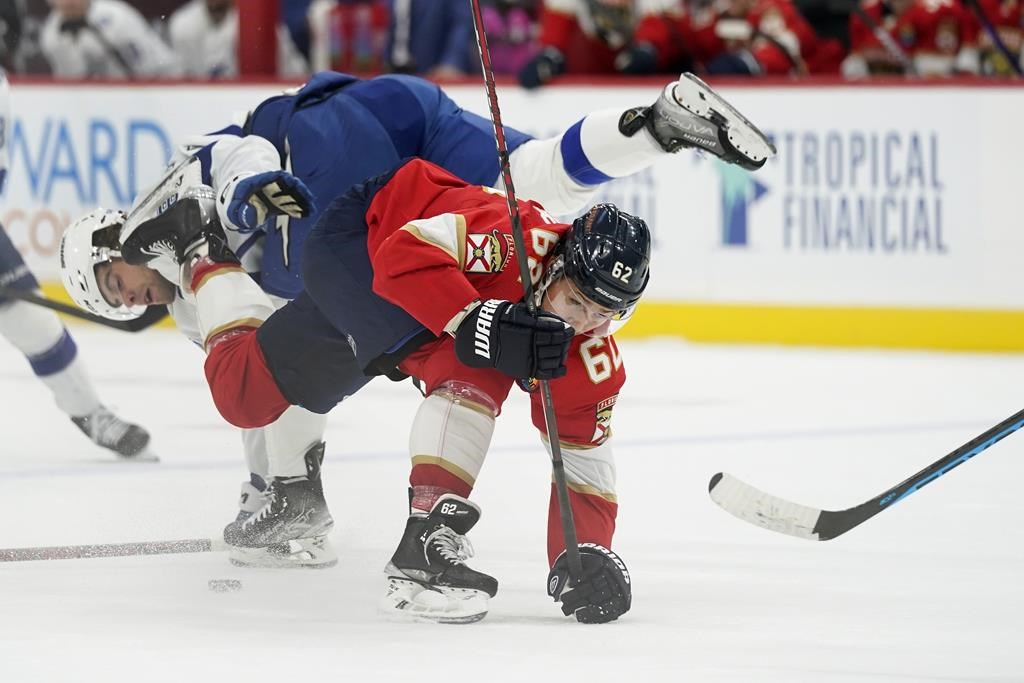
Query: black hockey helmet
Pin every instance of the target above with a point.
(608, 255)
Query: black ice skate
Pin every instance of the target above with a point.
(108, 430)
(690, 114)
(427, 576)
(290, 528)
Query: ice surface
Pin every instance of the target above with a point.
(929, 591)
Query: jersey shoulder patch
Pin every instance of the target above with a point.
(488, 252)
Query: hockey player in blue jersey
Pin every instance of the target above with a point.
(296, 152)
(307, 147)
(49, 348)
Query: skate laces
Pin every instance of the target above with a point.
(271, 499)
(106, 428)
(454, 548)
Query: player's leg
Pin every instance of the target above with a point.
(564, 172)
(603, 593)
(53, 357)
(427, 576)
(291, 526)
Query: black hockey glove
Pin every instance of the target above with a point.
(546, 65)
(505, 336)
(603, 593)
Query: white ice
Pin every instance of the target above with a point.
(931, 590)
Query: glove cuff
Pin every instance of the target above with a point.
(231, 211)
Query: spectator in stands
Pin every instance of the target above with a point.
(768, 37)
(11, 12)
(511, 27)
(104, 39)
(432, 38)
(914, 37)
(604, 37)
(204, 35)
(1007, 21)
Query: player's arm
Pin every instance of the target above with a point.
(564, 172)
(246, 171)
(419, 266)
(583, 401)
(229, 305)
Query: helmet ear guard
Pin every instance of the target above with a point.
(91, 241)
(607, 256)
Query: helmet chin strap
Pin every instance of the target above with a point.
(554, 271)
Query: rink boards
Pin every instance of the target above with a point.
(889, 217)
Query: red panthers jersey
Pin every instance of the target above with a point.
(437, 245)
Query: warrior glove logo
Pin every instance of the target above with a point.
(482, 343)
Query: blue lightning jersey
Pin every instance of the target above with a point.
(338, 131)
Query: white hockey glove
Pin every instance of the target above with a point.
(256, 198)
(601, 595)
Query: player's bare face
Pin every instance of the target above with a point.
(565, 300)
(124, 284)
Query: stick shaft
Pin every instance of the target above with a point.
(557, 465)
(98, 550)
(153, 314)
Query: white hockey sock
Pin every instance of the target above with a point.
(73, 390)
(564, 172)
(453, 434)
(254, 444)
(40, 335)
(289, 438)
(594, 150)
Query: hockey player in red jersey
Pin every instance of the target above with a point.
(370, 260)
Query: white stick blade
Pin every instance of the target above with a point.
(762, 509)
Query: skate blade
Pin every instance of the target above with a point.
(698, 98)
(408, 600)
(303, 553)
(145, 455)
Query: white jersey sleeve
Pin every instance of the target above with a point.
(233, 159)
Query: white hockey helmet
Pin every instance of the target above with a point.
(88, 242)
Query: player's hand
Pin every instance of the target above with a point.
(258, 197)
(506, 336)
(601, 595)
(546, 65)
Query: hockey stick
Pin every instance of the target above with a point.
(986, 23)
(153, 314)
(572, 551)
(87, 552)
(778, 514)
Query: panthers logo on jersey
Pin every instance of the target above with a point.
(603, 420)
(488, 253)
